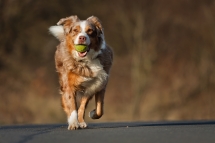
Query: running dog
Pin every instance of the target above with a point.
(83, 61)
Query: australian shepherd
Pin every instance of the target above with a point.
(84, 72)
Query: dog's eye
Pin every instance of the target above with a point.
(75, 30)
(89, 31)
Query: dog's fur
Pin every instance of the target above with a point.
(81, 75)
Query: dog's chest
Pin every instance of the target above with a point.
(99, 79)
(97, 70)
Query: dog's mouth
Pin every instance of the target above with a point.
(83, 53)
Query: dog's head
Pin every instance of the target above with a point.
(88, 33)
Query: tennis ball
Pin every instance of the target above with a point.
(81, 48)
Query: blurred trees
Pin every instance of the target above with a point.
(163, 66)
(132, 19)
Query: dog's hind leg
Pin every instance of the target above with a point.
(99, 99)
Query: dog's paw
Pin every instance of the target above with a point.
(72, 121)
(82, 125)
(93, 115)
(73, 125)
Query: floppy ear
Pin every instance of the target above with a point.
(57, 31)
(97, 23)
(68, 22)
(64, 26)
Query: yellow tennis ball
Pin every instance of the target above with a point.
(81, 48)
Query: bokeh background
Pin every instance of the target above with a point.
(164, 59)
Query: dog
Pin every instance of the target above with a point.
(84, 74)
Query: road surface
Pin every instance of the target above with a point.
(127, 132)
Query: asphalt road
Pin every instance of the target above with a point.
(127, 132)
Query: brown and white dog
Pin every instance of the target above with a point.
(81, 74)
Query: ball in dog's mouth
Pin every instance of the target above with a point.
(82, 50)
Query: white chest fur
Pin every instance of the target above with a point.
(99, 79)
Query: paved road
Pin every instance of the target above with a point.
(128, 132)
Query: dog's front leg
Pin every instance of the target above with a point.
(99, 99)
(81, 111)
(69, 106)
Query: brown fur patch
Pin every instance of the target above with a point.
(69, 42)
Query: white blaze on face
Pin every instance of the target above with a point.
(83, 33)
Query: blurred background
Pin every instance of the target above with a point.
(164, 59)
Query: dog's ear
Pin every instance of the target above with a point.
(97, 23)
(64, 26)
(57, 31)
(68, 22)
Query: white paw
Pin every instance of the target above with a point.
(82, 125)
(73, 121)
(73, 126)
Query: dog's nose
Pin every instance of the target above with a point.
(82, 38)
